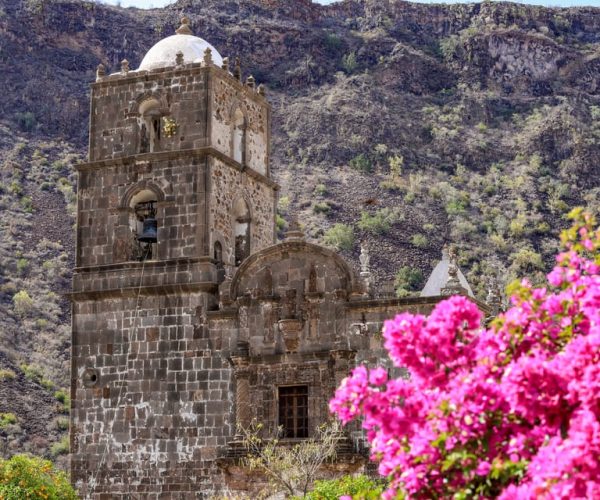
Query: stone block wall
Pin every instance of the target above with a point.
(227, 185)
(104, 212)
(115, 125)
(228, 94)
(153, 396)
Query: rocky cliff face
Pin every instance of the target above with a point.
(403, 126)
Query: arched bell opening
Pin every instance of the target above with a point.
(144, 225)
(241, 231)
(150, 123)
(218, 260)
(238, 148)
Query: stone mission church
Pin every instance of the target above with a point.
(189, 317)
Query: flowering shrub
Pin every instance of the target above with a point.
(33, 478)
(512, 411)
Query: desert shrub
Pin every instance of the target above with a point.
(408, 279)
(449, 47)
(519, 226)
(420, 240)
(23, 303)
(360, 486)
(361, 162)
(60, 447)
(380, 149)
(349, 62)
(22, 266)
(283, 205)
(396, 163)
(321, 207)
(320, 190)
(26, 121)
(35, 374)
(6, 374)
(463, 229)
(333, 43)
(64, 398)
(15, 187)
(457, 203)
(62, 423)
(340, 236)
(526, 261)
(280, 223)
(33, 478)
(378, 223)
(27, 204)
(7, 419)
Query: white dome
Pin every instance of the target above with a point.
(163, 54)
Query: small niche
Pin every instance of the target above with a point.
(90, 377)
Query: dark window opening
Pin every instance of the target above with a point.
(146, 230)
(150, 124)
(156, 129)
(239, 137)
(293, 411)
(241, 231)
(218, 257)
(242, 241)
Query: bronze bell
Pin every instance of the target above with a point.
(149, 234)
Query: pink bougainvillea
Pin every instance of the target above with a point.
(511, 411)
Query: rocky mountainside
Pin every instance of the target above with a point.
(402, 126)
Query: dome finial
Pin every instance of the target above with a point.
(184, 29)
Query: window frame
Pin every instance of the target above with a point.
(295, 397)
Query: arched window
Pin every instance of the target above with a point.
(218, 258)
(150, 126)
(144, 226)
(239, 137)
(241, 230)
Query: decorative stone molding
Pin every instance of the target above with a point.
(100, 72)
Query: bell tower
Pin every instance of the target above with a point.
(176, 194)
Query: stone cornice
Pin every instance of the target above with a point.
(175, 155)
(134, 291)
(148, 264)
(175, 71)
(374, 303)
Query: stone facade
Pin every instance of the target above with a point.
(213, 324)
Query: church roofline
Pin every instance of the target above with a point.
(144, 75)
(202, 152)
(384, 302)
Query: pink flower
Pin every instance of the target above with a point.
(484, 468)
(521, 397)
